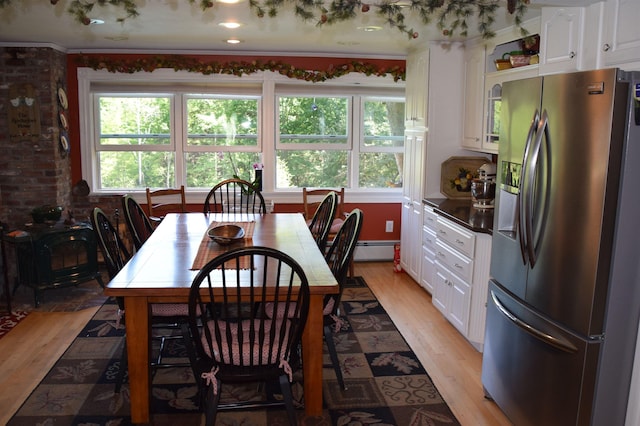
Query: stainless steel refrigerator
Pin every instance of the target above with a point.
(564, 297)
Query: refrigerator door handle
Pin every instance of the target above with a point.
(524, 243)
(543, 130)
(556, 342)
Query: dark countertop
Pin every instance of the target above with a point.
(463, 213)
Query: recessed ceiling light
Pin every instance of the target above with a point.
(117, 38)
(370, 28)
(230, 25)
(233, 41)
(96, 22)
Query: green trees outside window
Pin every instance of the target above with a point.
(166, 138)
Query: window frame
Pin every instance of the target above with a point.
(266, 83)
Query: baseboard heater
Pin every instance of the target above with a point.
(374, 250)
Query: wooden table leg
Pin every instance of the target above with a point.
(312, 357)
(138, 347)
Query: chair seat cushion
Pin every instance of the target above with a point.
(258, 347)
(335, 226)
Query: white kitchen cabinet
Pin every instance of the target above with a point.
(560, 39)
(452, 297)
(493, 102)
(474, 67)
(416, 89)
(483, 85)
(462, 260)
(621, 38)
(412, 194)
(454, 273)
(428, 273)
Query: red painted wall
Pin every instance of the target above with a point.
(375, 215)
(375, 218)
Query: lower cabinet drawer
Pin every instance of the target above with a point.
(429, 238)
(429, 218)
(457, 237)
(458, 264)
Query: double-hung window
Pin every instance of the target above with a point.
(221, 138)
(161, 140)
(354, 141)
(314, 141)
(381, 146)
(135, 146)
(151, 131)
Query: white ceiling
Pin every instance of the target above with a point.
(177, 25)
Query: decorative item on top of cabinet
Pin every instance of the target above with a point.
(561, 30)
(621, 42)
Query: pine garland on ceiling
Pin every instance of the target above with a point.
(451, 16)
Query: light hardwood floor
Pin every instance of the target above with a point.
(28, 352)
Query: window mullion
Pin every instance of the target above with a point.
(179, 135)
(357, 123)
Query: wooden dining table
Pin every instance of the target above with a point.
(161, 272)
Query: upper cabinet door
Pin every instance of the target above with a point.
(493, 103)
(416, 89)
(621, 43)
(560, 32)
(474, 66)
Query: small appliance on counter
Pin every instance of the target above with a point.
(483, 188)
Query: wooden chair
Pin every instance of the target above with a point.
(163, 315)
(322, 220)
(311, 199)
(339, 257)
(236, 340)
(163, 201)
(234, 195)
(137, 221)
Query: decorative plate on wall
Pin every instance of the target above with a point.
(62, 98)
(64, 143)
(63, 121)
(457, 174)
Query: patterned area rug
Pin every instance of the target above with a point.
(8, 321)
(67, 299)
(386, 383)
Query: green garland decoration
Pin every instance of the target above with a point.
(237, 68)
(451, 15)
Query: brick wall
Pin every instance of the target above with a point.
(34, 170)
